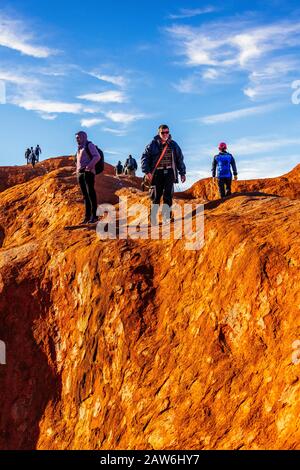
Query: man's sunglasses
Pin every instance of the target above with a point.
(165, 132)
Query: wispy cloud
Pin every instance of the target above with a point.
(241, 47)
(237, 44)
(111, 96)
(189, 13)
(262, 145)
(191, 84)
(123, 118)
(117, 132)
(117, 80)
(48, 117)
(91, 122)
(16, 77)
(45, 107)
(237, 114)
(14, 34)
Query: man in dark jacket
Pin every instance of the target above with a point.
(223, 162)
(163, 176)
(130, 166)
(119, 168)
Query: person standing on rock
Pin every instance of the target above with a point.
(85, 170)
(161, 161)
(119, 168)
(27, 155)
(130, 166)
(32, 157)
(222, 164)
(37, 152)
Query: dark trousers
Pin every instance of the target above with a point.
(224, 186)
(86, 182)
(163, 181)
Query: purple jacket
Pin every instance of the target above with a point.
(84, 162)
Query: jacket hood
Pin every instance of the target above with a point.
(84, 138)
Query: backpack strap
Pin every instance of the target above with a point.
(159, 160)
(86, 148)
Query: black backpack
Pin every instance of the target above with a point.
(99, 167)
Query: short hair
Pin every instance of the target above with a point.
(163, 126)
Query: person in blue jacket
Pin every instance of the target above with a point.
(222, 164)
(163, 176)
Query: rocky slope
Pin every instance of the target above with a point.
(287, 185)
(142, 344)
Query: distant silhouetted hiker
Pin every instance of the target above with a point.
(37, 152)
(32, 157)
(85, 169)
(119, 168)
(27, 155)
(130, 166)
(161, 162)
(223, 163)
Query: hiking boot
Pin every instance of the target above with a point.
(84, 221)
(93, 220)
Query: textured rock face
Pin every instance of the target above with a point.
(139, 344)
(287, 185)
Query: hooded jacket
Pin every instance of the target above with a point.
(154, 150)
(83, 160)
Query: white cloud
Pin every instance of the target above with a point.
(210, 74)
(50, 107)
(118, 80)
(112, 152)
(241, 47)
(117, 132)
(191, 84)
(238, 114)
(272, 78)
(105, 97)
(48, 117)
(259, 145)
(91, 122)
(15, 35)
(237, 44)
(190, 13)
(16, 78)
(123, 118)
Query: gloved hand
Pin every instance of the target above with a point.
(183, 178)
(235, 177)
(149, 176)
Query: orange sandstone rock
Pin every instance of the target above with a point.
(141, 344)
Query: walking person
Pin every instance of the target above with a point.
(27, 155)
(222, 164)
(86, 158)
(130, 166)
(161, 161)
(119, 168)
(32, 157)
(37, 152)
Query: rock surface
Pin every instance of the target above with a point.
(287, 185)
(142, 344)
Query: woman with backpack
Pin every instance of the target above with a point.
(87, 157)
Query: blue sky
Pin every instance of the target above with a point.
(213, 71)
